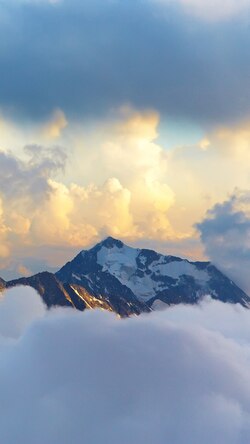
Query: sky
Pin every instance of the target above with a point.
(129, 119)
(180, 375)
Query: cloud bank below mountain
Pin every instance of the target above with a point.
(177, 376)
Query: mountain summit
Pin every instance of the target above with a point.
(114, 269)
(127, 280)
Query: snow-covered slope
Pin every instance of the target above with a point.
(146, 277)
(114, 270)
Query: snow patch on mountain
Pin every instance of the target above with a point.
(124, 275)
(121, 263)
(129, 266)
(176, 269)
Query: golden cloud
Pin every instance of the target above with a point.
(128, 196)
(54, 127)
(118, 182)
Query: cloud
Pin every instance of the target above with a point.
(19, 307)
(87, 73)
(210, 10)
(225, 233)
(195, 172)
(113, 178)
(29, 177)
(178, 376)
(119, 189)
(53, 128)
(114, 186)
(24, 189)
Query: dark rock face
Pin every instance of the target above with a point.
(55, 293)
(125, 280)
(2, 284)
(48, 286)
(120, 273)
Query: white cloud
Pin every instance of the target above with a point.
(19, 307)
(182, 375)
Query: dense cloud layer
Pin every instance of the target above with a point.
(87, 57)
(178, 376)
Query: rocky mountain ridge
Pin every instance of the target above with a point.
(126, 280)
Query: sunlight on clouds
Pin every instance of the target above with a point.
(129, 153)
(125, 193)
(79, 215)
(119, 181)
(195, 172)
(24, 271)
(233, 141)
(53, 128)
(137, 124)
(51, 220)
(107, 208)
(4, 246)
(15, 135)
(130, 143)
(204, 144)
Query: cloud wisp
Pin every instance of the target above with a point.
(177, 376)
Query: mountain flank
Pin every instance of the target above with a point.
(129, 281)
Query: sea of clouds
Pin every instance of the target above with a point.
(177, 376)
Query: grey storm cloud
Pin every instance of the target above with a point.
(225, 233)
(176, 376)
(89, 57)
(28, 177)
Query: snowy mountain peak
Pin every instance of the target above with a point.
(116, 277)
(113, 269)
(109, 242)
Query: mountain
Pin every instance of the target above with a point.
(54, 292)
(49, 288)
(2, 284)
(70, 294)
(126, 280)
(113, 269)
